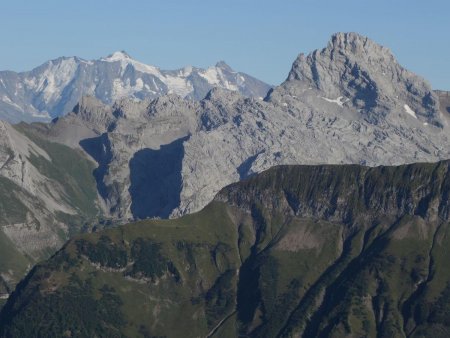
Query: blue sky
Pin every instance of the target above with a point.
(261, 38)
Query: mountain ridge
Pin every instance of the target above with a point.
(53, 88)
(331, 251)
(367, 76)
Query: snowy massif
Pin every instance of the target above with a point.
(53, 89)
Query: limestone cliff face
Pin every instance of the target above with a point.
(348, 103)
(367, 76)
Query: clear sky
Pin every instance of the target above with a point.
(258, 37)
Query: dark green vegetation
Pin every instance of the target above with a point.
(311, 251)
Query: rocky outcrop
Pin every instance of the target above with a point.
(444, 101)
(366, 76)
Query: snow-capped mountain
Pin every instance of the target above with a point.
(53, 89)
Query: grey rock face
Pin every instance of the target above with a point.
(366, 76)
(349, 103)
(54, 88)
(444, 101)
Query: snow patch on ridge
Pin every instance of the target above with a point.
(410, 111)
(339, 101)
(210, 75)
(177, 85)
(121, 89)
(117, 56)
(7, 100)
(41, 115)
(125, 60)
(215, 77)
(55, 77)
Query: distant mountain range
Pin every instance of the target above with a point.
(350, 102)
(53, 89)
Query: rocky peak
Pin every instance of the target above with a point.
(342, 48)
(224, 66)
(168, 101)
(222, 94)
(117, 56)
(94, 112)
(367, 76)
(89, 105)
(129, 108)
(354, 43)
(172, 105)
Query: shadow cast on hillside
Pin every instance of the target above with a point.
(155, 180)
(99, 149)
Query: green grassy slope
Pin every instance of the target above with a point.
(69, 168)
(70, 173)
(318, 251)
(13, 262)
(12, 209)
